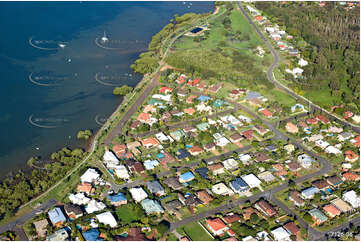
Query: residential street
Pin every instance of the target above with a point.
(272, 79)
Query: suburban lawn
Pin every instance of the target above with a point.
(196, 232)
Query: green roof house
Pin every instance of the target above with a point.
(202, 126)
(318, 216)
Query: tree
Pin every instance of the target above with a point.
(254, 218)
(123, 90)
(162, 227)
(84, 134)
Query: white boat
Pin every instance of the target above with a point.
(105, 38)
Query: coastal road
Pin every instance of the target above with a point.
(17, 224)
(272, 78)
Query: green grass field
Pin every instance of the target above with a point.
(196, 232)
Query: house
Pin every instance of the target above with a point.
(244, 119)
(333, 150)
(234, 94)
(280, 234)
(59, 235)
(305, 160)
(247, 212)
(215, 88)
(190, 99)
(222, 189)
(231, 218)
(110, 157)
(91, 235)
(189, 200)
(177, 113)
(151, 206)
(133, 145)
(291, 128)
(40, 227)
(166, 159)
(216, 168)
(230, 164)
(173, 206)
(311, 121)
(90, 176)
(309, 193)
(216, 226)
(289, 148)
(263, 236)
(193, 82)
(149, 142)
(173, 183)
(222, 142)
(203, 98)
(235, 137)
(209, 147)
(177, 135)
(204, 196)
(341, 205)
(149, 109)
(239, 186)
(334, 181)
(182, 93)
(266, 112)
(344, 136)
(85, 187)
(166, 117)
(121, 172)
(252, 180)
(195, 150)
(271, 148)
(266, 176)
(107, 218)
(73, 211)
(203, 172)
(189, 111)
(135, 167)
(321, 185)
(322, 118)
(253, 95)
(166, 98)
(138, 194)
(117, 199)
(260, 129)
(261, 157)
(351, 198)
(266, 208)
(135, 124)
(244, 158)
(186, 177)
(322, 144)
(349, 176)
(165, 90)
(331, 210)
(94, 206)
(79, 199)
(294, 196)
(161, 137)
(150, 164)
(293, 166)
(56, 217)
(144, 118)
(293, 52)
(351, 156)
(318, 216)
(156, 188)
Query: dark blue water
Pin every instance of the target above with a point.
(39, 117)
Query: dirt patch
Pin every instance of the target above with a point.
(216, 10)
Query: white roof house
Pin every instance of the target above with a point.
(222, 142)
(222, 189)
(138, 194)
(251, 180)
(107, 218)
(302, 62)
(248, 238)
(244, 158)
(79, 199)
(352, 198)
(267, 176)
(231, 119)
(333, 150)
(166, 98)
(94, 206)
(89, 176)
(280, 234)
(263, 235)
(121, 172)
(161, 137)
(321, 143)
(203, 108)
(244, 118)
(230, 164)
(109, 156)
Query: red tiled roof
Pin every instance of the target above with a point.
(322, 118)
(311, 121)
(351, 176)
(292, 228)
(84, 187)
(189, 111)
(357, 143)
(266, 112)
(351, 155)
(165, 89)
(248, 134)
(144, 117)
(331, 209)
(216, 224)
(150, 141)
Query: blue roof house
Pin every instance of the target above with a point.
(156, 188)
(186, 177)
(309, 192)
(203, 98)
(219, 103)
(239, 185)
(202, 171)
(253, 95)
(182, 154)
(151, 206)
(150, 164)
(92, 235)
(117, 199)
(56, 216)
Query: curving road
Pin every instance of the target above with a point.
(272, 79)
